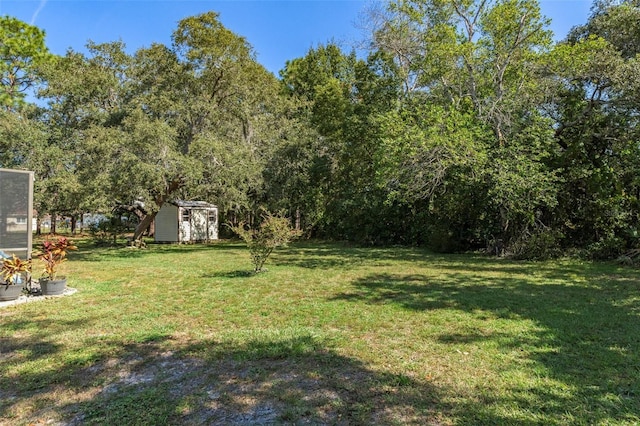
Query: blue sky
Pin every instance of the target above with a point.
(278, 30)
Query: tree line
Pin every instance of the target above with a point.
(464, 126)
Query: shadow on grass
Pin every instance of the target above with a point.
(240, 273)
(37, 345)
(315, 255)
(319, 255)
(90, 252)
(269, 380)
(585, 334)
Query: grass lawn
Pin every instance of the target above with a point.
(329, 335)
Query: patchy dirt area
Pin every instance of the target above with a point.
(319, 387)
(229, 392)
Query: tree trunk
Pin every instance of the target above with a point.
(145, 223)
(74, 224)
(147, 220)
(52, 229)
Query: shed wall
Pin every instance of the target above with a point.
(166, 227)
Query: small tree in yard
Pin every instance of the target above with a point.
(274, 231)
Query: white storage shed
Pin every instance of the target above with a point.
(186, 222)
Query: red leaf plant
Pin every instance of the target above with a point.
(53, 254)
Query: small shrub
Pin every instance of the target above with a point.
(108, 230)
(441, 239)
(274, 231)
(542, 244)
(606, 249)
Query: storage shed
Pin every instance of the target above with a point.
(186, 222)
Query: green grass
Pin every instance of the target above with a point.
(331, 334)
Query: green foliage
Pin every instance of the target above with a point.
(611, 247)
(193, 120)
(464, 136)
(597, 131)
(618, 22)
(464, 127)
(23, 143)
(539, 244)
(22, 52)
(272, 232)
(107, 231)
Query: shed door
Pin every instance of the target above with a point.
(199, 225)
(185, 224)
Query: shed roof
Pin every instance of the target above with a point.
(193, 204)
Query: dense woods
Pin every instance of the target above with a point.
(465, 126)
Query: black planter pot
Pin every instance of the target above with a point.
(53, 287)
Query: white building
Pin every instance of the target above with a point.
(186, 221)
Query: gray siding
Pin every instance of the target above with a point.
(166, 227)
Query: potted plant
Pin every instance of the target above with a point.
(53, 254)
(13, 276)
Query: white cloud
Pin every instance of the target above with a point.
(41, 6)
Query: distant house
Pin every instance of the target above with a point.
(186, 221)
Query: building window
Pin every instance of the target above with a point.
(186, 215)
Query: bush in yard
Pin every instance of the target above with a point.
(609, 247)
(108, 230)
(274, 231)
(539, 244)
